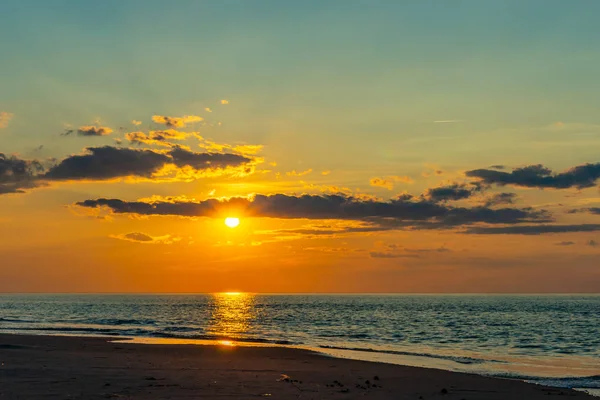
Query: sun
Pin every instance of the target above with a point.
(232, 222)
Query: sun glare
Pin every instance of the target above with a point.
(232, 222)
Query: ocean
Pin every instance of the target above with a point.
(547, 339)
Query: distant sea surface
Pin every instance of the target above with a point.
(553, 340)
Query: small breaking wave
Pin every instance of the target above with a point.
(582, 382)
(457, 359)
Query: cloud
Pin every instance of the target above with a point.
(17, 174)
(224, 101)
(453, 192)
(591, 210)
(388, 182)
(242, 148)
(5, 118)
(92, 130)
(136, 123)
(501, 198)
(326, 172)
(107, 162)
(100, 163)
(247, 148)
(431, 170)
(381, 254)
(139, 237)
(532, 229)
(395, 251)
(538, 176)
(565, 243)
(208, 109)
(393, 214)
(300, 173)
(176, 122)
(160, 138)
(592, 243)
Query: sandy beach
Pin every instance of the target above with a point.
(52, 367)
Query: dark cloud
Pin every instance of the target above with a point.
(565, 243)
(392, 214)
(138, 237)
(89, 130)
(161, 138)
(107, 162)
(453, 192)
(498, 167)
(591, 210)
(592, 243)
(532, 229)
(185, 158)
(500, 198)
(17, 174)
(538, 176)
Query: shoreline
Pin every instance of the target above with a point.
(97, 367)
(574, 374)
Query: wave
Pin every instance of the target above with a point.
(16, 320)
(168, 333)
(581, 382)
(458, 359)
(223, 337)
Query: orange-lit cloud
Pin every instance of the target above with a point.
(5, 118)
(390, 181)
(176, 122)
(94, 130)
(160, 138)
(136, 123)
(224, 101)
(299, 173)
(219, 147)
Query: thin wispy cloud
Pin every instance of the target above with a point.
(138, 237)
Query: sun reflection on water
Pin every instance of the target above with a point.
(232, 314)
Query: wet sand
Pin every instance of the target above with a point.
(51, 367)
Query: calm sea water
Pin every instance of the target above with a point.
(548, 339)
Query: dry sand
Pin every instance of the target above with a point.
(50, 367)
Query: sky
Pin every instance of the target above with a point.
(365, 146)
